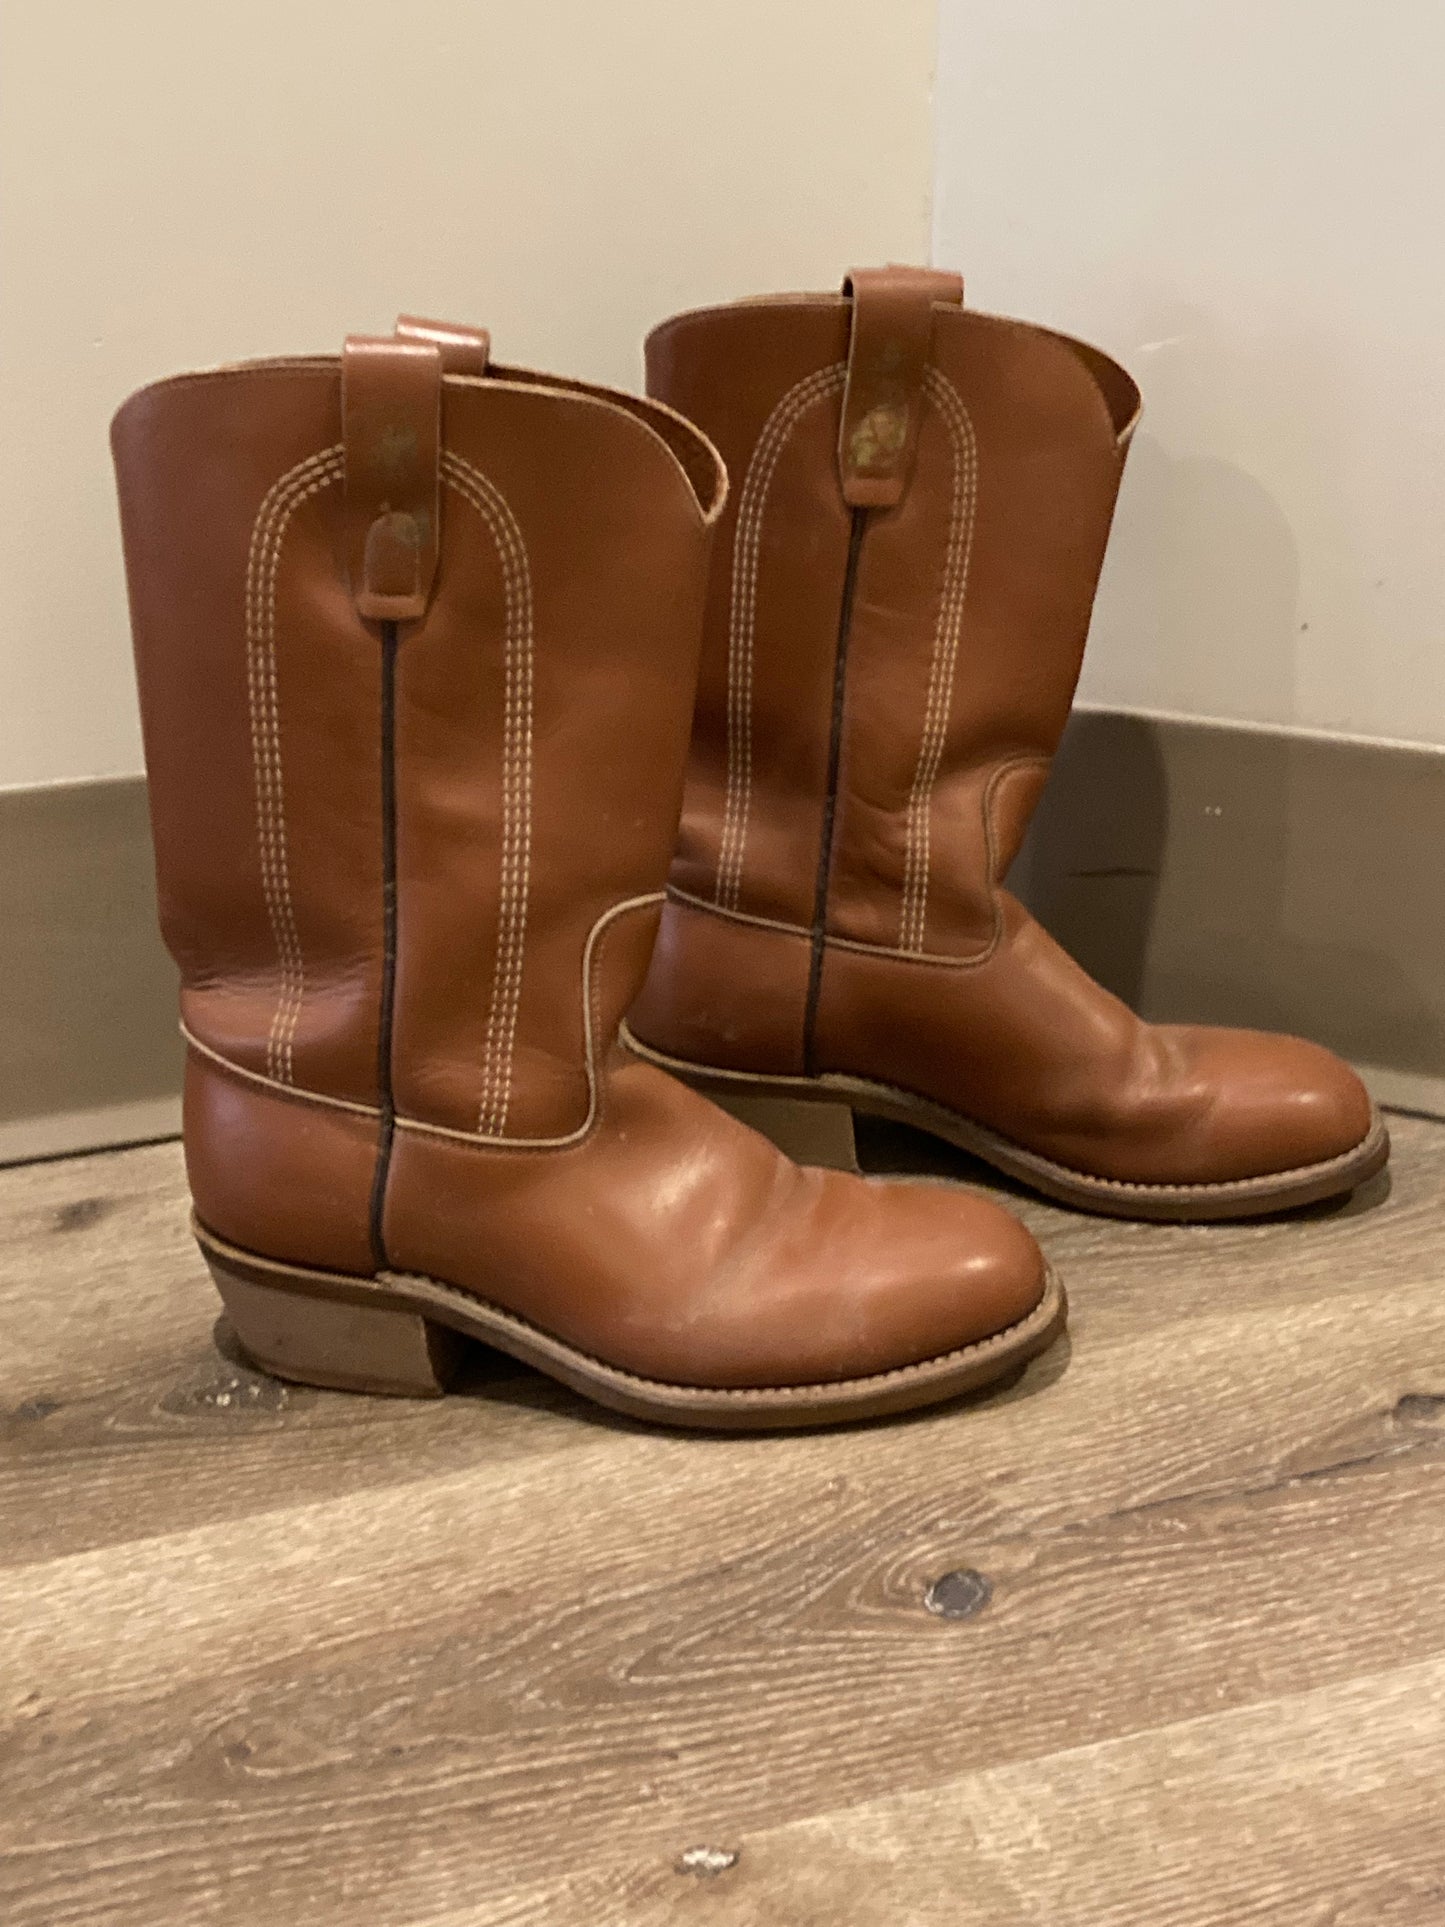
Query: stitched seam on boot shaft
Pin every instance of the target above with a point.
(767, 451)
(517, 747)
(939, 706)
(828, 830)
(742, 616)
(592, 954)
(386, 1016)
(268, 532)
(967, 960)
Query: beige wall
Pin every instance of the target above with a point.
(1242, 199)
(187, 183)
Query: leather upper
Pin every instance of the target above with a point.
(402, 626)
(1019, 452)
(886, 674)
(246, 539)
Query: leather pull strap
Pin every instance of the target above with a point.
(391, 425)
(888, 346)
(465, 351)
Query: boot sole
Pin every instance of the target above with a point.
(789, 1109)
(407, 1336)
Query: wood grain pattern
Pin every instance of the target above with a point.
(502, 1659)
(1319, 1810)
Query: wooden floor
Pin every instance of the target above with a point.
(1156, 1636)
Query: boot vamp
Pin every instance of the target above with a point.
(674, 1242)
(1028, 1045)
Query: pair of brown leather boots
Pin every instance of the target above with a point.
(434, 654)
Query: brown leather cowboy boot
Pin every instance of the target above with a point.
(416, 644)
(900, 595)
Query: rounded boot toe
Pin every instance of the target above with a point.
(862, 1278)
(944, 1269)
(1281, 1105)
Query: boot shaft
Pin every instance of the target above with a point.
(900, 595)
(415, 652)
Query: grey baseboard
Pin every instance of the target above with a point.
(1217, 872)
(1239, 875)
(88, 1048)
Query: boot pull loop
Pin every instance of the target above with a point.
(888, 344)
(391, 428)
(465, 351)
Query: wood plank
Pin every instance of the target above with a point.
(119, 1416)
(1319, 1810)
(343, 1659)
(436, 1684)
(1241, 1405)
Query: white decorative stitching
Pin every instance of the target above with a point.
(592, 1040)
(939, 706)
(268, 532)
(747, 546)
(306, 479)
(516, 855)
